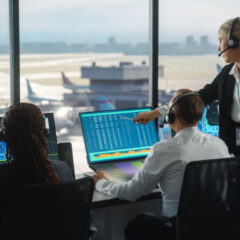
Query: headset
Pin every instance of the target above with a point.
(232, 41)
(170, 116)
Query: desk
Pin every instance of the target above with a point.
(110, 215)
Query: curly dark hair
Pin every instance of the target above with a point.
(23, 127)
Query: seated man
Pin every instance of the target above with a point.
(165, 164)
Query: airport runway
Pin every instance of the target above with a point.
(44, 73)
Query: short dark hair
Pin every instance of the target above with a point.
(189, 109)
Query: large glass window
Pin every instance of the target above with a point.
(188, 41)
(83, 56)
(4, 57)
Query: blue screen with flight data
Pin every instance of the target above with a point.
(209, 122)
(111, 135)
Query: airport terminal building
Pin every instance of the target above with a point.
(123, 85)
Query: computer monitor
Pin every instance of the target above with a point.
(165, 132)
(209, 122)
(51, 139)
(111, 135)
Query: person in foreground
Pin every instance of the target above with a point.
(165, 164)
(225, 87)
(24, 131)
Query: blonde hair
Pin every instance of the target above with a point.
(225, 28)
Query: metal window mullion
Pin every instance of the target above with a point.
(14, 51)
(153, 53)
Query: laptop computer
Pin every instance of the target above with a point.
(51, 139)
(114, 144)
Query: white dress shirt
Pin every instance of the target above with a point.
(165, 166)
(235, 112)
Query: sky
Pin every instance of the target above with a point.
(93, 21)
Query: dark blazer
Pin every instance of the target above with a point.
(222, 88)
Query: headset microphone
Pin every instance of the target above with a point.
(223, 51)
(232, 41)
(161, 124)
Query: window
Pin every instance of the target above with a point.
(81, 56)
(4, 57)
(188, 41)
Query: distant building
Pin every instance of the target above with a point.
(189, 47)
(124, 85)
(112, 46)
(79, 48)
(204, 41)
(190, 42)
(42, 47)
(111, 40)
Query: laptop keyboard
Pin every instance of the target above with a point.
(113, 173)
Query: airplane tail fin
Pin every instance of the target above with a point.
(65, 79)
(29, 88)
(105, 104)
(219, 68)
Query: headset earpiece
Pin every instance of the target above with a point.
(170, 117)
(233, 42)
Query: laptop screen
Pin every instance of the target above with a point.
(111, 135)
(51, 139)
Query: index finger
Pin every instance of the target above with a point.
(137, 118)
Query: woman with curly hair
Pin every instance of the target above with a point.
(24, 131)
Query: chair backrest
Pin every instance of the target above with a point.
(209, 206)
(51, 211)
(65, 154)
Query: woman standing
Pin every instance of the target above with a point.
(224, 88)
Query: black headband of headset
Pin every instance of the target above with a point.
(235, 20)
(183, 96)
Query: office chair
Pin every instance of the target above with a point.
(65, 154)
(209, 206)
(51, 211)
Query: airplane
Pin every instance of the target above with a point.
(61, 119)
(69, 85)
(105, 104)
(32, 96)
